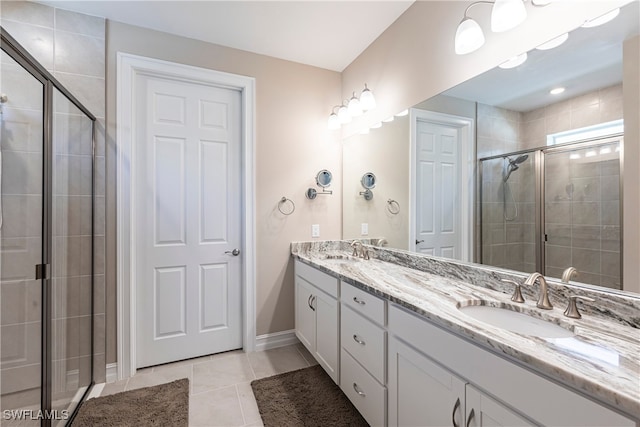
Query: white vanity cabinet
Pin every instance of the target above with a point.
(423, 393)
(363, 354)
(426, 379)
(317, 316)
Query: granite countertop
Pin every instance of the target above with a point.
(602, 360)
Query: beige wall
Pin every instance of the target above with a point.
(631, 189)
(292, 145)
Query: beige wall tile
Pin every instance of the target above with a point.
(79, 54)
(585, 116)
(79, 23)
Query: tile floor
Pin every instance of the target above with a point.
(220, 393)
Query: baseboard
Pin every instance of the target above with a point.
(112, 372)
(275, 340)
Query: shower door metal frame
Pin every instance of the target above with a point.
(19, 54)
(539, 156)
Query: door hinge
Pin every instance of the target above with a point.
(42, 271)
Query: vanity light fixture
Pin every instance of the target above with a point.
(514, 62)
(605, 150)
(364, 131)
(557, 91)
(591, 153)
(334, 121)
(377, 125)
(601, 20)
(388, 119)
(505, 15)
(402, 113)
(554, 42)
(574, 156)
(353, 107)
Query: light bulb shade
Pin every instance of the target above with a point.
(469, 37)
(507, 14)
(334, 122)
(514, 62)
(554, 42)
(354, 107)
(602, 19)
(343, 114)
(367, 100)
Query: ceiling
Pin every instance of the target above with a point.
(326, 34)
(590, 59)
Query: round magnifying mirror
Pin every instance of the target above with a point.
(323, 179)
(368, 180)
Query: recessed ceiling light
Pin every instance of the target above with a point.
(557, 91)
(600, 20)
(554, 43)
(514, 62)
(402, 113)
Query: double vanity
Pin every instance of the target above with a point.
(414, 340)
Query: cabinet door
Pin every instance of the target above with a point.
(305, 314)
(326, 352)
(483, 411)
(421, 393)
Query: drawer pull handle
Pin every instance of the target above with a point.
(471, 415)
(360, 392)
(453, 414)
(359, 301)
(313, 301)
(309, 301)
(358, 340)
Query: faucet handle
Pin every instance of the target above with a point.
(572, 308)
(517, 292)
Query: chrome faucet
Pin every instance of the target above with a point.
(568, 274)
(363, 252)
(543, 298)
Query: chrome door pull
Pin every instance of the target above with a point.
(357, 389)
(357, 301)
(453, 414)
(234, 252)
(358, 340)
(471, 415)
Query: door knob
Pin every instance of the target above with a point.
(234, 252)
(419, 241)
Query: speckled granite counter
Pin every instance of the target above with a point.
(602, 360)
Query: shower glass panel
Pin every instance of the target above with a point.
(582, 212)
(72, 253)
(508, 212)
(21, 242)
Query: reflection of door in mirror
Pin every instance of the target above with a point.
(441, 149)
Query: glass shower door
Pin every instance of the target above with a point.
(582, 208)
(21, 243)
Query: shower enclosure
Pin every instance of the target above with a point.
(46, 244)
(551, 208)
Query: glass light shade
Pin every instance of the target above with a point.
(364, 131)
(343, 114)
(514, 62)
(469, 37)
(389, 119)
(602, 19)
(377, 125)
(367, 101)
(554, 43)
(507, 14)
(354, 107)
(334, 122)
(402, 113)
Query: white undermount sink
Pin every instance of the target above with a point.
(514, 321)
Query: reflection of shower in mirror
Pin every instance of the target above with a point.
(514, 165)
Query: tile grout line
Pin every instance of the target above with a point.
(244, 418)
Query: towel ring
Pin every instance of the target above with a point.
(393, 207)
(282, 202)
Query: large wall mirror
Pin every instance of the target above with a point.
(542, 171)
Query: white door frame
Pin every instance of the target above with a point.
(128, 67)
(466, 126)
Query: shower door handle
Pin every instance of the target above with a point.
(43, 271)
(419, 241)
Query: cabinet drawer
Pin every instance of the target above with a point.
(366, 394)
(364, 303)
(364, 341)
(320, 280)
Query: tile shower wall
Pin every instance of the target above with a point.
(72, 47)
(502, 131)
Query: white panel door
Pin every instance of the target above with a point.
(437, 190)
(187, 190)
